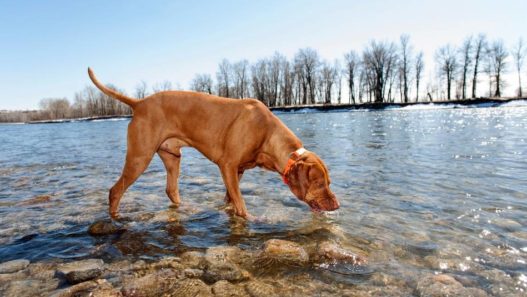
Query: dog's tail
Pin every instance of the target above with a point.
(124, 99)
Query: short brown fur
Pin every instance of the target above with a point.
(235, 134)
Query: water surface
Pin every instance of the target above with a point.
(421, 191)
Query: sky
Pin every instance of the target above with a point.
(46, 46)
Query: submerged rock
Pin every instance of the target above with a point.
(80, 271)
(193, 259)
(104, 227)
(13, 266)
(36, 200)
(224, 288)
(153, 284)
(259, 289)
(332, 252)
(190, 288)
(443, 285)
(224, 271)
(284, 251)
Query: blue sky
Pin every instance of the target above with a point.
(46, 46)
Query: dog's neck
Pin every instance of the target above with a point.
(281, 151)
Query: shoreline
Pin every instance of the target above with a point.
(493, 102)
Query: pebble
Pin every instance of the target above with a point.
(443, 285)
(224, 271)
(284, 251)
(259, 289)
(224, 288)
(13, 266)
(330, 251)
(193, 259)
(104, 227)
(80, 271)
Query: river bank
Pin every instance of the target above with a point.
(483, 102)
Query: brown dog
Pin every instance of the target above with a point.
(235, 134)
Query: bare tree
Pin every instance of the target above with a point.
(202, 83)
(352, 61)
(379, 60)
(273, 77)
(466, 52)
(498, 56)
(58, 108)
(141, 90)
(308, 61)
(224, 78)
(162, 87)
(406, 51)
(287, 82)
(241, 79)
(519, 51)
(479, 50)
(446, 57)
(259, 80)
(419, 67)
(328, 78)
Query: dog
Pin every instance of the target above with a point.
(235, 134)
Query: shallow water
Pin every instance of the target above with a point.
(421, 191)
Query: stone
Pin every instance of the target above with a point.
(193, 259)
(42, 270)
(284, 251)
(190, 288)
(74, 290)
(80, 271)
(224, 271)
(23, 288)
(222, 254)
(443, 285)
(104, 227)
(224, 288)
(13, 266)
(330, 251)
(192, 273)
(507, 224)
(259, 289)
(153, 284)
(36, 200)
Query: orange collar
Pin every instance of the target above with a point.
(296, 154)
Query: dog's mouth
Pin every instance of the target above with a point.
(317, 207)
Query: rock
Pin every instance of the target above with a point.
(259, 289)
(153, 284)
(507, 224)
(104, 227)
(192, 273)
(443, 285)
(42, 270)
(23, 288)
(222, 254)
(74, 290)
(36, 200)
(13, 266)
(190, 288)
(284, 251)
(224, 288)
(193, 259)
(224, 271)
(330, 251)
(80, 271)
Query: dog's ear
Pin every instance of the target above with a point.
(298, 179)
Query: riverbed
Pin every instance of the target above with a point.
(432, 198)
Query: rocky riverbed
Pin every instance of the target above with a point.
(278, 268)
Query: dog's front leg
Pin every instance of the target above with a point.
(227, 197)
(232, 184)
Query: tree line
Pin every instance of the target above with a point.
(384, 71)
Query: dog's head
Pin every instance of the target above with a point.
(308, 179)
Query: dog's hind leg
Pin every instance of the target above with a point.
(172, 164)
(138, 155)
